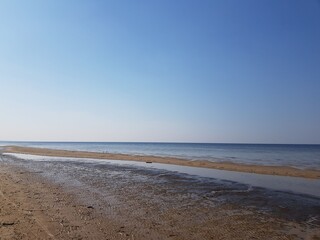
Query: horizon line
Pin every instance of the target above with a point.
(152, 142)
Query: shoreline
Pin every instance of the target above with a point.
(229, 166)
(56, 201)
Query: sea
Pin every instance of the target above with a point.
(301, 156)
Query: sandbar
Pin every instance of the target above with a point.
(230, 166)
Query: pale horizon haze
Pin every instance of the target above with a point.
(160, 71)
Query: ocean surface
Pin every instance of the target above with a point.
(299, 156)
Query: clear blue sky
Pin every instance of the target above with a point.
(187, 71)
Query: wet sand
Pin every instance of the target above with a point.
(33, 208)
(269, 170)
(70, 200)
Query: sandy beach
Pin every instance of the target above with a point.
(269, 170)
(160, 120)
(42, 200)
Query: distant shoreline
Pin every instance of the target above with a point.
(258, 169)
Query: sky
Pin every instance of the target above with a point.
(162, 71)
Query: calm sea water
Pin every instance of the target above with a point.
(301, 156)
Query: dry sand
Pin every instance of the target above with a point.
(269, 170)
(32, 208)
